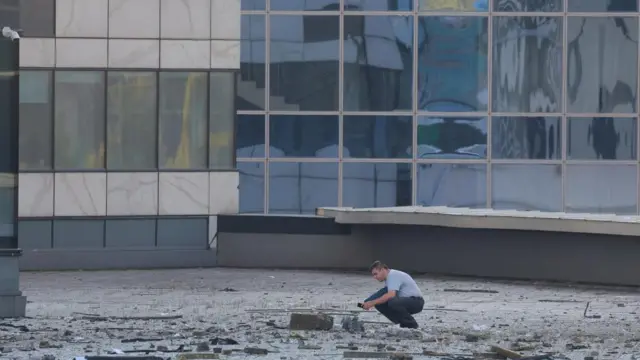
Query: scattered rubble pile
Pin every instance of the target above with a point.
(470, 327)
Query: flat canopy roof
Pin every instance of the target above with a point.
(486, 219)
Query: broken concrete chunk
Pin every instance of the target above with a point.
(311, 322)
(352, 324)
(204, 356)
(255, 351)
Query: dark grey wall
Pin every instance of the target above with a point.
(535, 255)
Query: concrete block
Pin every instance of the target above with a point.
(311, 322)
(13, 306)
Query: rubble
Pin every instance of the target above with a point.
(181, 314)
(311, 322)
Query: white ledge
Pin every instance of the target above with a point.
(487, 219)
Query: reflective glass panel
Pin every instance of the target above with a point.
(453, 185)
(183, 120)
(378, 63)
(528, 5)
(304, 62)
(526, 187)
(452, 138)
(378, 5)
(10, 13)
(255, 5)
(602, 5)
(222, 115)
(315, 5)
(526, 137)
(453, 5)
(7, 204)
(527, 64)
(602, 138)
(250, 137)
(251, 80)
(303, 136)
(36, 120)
(602, 64)
(9, 122)
(131, 120)
(301, 188)
(371, 136)
(251, 187)
(601, 189)
(452, 63)
(79, 123)
(367, 185)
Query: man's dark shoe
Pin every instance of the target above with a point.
(409, 326)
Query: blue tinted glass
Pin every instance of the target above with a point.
(367, 185)
(452, 64)
(526, 187)
(452, 138)
(7, 206)
(255, 5)
(251, 187)
(377, 136)
(453, 185)
(378, 63)
(301, 188)
(303, 136)
(253, 50)
(601, 189)
(378, 5)
(317, 5)
(250, 136)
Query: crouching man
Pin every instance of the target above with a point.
(399, 299)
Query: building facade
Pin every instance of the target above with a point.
(125, 130)
(506, 104)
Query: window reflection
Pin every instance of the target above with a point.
(255, 5)
(183, 120)
(527, 64)
(378, 5)
(603, 5)
(528, 5)
(250, 136)
(372, 136)
(318, 5)
(526, 137)
(603, 138)
(79, 124)
(454, 185)
(452, 138)
(7, 204)
(378, 63)
(601, 189)
(35, 120)
(251, 187)
(526, 187)
(452, 63)
(602, 64)
(8, 122)
(300, 188)
(304, 62)
(221, 119)
(251, 85)
(303, 136)
(367, 185)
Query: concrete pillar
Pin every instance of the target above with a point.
(12, 302)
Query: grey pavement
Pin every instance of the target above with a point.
(532, 318)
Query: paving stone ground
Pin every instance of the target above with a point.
(534, 318)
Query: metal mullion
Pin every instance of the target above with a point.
(527, 162)
(340, 103)
(451, 114)
(303, 12)
(489, 177)
(529, 14)
(451, 161)
(563, 120)
(267, 105)
(637, 134)
(302, 113)
(601, 162)
(377, 161)
(414, 107)
(523, 114)
(454, 13)
(250, 112)
(601, 14)
(373, 113)
(601, 115)
(303, 160)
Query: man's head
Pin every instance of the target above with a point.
(379, 270)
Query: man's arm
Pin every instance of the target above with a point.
(383, 299)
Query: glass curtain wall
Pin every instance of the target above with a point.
(505, 104)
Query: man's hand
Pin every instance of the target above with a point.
(368, 305)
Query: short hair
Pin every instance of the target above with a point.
(377, 265)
